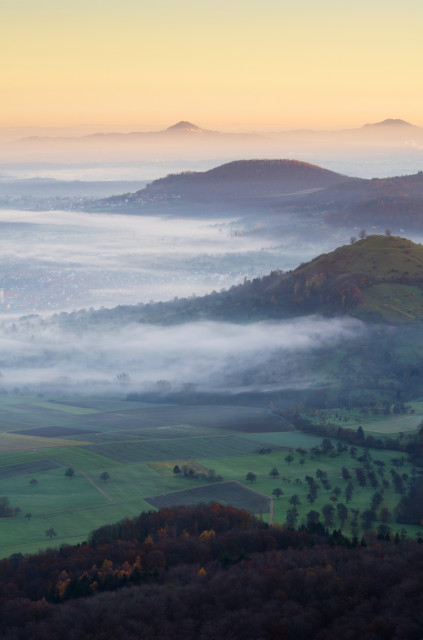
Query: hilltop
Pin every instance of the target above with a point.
(238, 180)
(396, 123)
(184, 127)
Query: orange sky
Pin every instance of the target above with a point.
(262, 64)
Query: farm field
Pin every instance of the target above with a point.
(227, 493)
(123, 454)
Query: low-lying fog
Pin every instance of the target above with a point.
(58, 261)
(55, 261)
(38, 356)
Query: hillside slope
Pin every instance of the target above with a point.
(239, 180)
(389, 202)
(379, 279)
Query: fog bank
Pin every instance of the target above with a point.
(39, 356)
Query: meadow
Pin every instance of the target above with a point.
(123, 454)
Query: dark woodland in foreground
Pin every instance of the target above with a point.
(215, 571)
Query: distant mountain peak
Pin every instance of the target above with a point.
(389, 122)
(184, 125)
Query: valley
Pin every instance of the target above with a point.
(139, 445)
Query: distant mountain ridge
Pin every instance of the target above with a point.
(390, 122)
(181, 140)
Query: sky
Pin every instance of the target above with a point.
(222, 64)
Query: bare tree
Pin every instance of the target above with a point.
(362, 234)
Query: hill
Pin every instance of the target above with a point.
(395, 123)
(185, 127)
(386, 202)
(238, 180)
(379, 279)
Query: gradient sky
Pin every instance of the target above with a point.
(228, 64)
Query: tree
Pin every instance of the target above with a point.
(277, 492)
(294, 500)
(176, 469)
(251, 477)
(33, 481)
(292, 516)
(105, 476)
(384, 514)
(362, 234)
(384, 531)
(6, 510)
(50, 533)
(353, 239)
(368, 517)
(69, 473)
(28, 516)
(342, 513)
(328, 513)
(327, 445)
(289, 458)
(346, 474)
(274, 473)
(348, 492)
(312, 517)
(388, 232)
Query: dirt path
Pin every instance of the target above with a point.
(95, 485)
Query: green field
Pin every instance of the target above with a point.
(138, 446)
(227, 493)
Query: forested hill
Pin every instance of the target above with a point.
(238, 180)
(379, 278)
(389, 202)
(214, 571)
